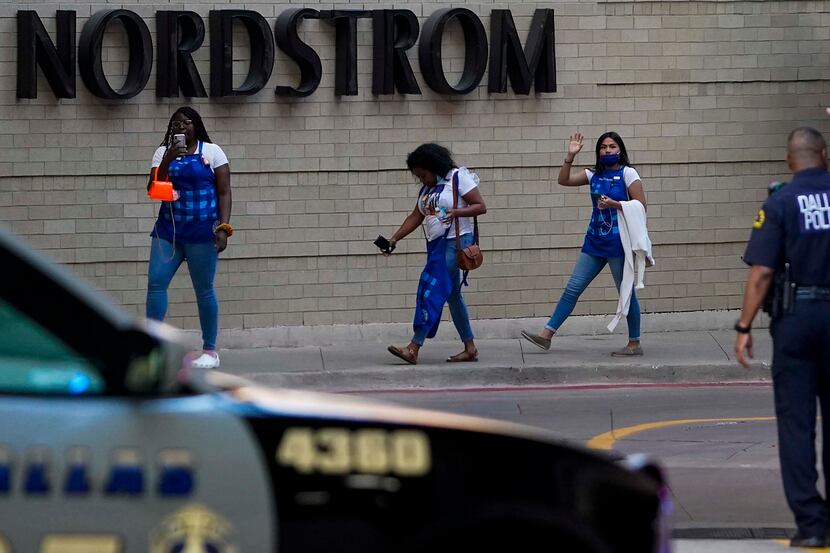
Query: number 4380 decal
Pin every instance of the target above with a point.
(367, 451)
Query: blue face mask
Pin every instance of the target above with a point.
(609, 159)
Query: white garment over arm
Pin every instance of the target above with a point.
(637, 247)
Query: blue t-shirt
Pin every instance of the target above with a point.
(602, 238)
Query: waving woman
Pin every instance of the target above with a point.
(612, 181)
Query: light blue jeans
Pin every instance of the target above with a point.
(458, 309)
(201, 262)
(586, 270)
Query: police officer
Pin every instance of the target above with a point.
(793, 228)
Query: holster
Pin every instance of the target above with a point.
(780, 300)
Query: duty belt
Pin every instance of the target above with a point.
(817, 293)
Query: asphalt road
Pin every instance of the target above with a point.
(718, 443)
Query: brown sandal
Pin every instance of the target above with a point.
(464, 357)
(404, 353)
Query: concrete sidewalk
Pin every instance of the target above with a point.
(670, 357)
(736, 546)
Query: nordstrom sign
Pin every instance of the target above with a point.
(180, 33)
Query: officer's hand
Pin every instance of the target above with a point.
(743, 342)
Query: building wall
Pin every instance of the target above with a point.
(703, 92)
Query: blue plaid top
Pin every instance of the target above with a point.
(194, 215)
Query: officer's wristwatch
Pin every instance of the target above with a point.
(740, 329)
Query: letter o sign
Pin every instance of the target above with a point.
(90, 50)
(430, 55)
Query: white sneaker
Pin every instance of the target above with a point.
(206, 361)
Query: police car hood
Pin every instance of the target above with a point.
(309, 404)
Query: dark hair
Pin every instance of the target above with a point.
(199, 131)
(433, 157)
(623, 152)
(806, 139)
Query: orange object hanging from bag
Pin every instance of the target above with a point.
(160, 189)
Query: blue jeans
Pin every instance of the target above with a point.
(458, 309)
(201, 262)
(586, 270)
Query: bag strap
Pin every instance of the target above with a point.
(418, 207)
(454, 207)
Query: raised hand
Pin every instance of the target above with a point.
(575, 145)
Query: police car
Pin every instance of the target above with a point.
(108, 444)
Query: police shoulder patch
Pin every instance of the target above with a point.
(759, 220)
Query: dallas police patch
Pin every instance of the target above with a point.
(759, 220)
(815, 212)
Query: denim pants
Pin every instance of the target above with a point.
(458, 309)
(201, 262)
(586, 270)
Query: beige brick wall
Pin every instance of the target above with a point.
(704, 92)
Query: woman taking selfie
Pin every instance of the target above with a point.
(441, 279)
(194, 226)
(612, 181)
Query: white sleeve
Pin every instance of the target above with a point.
(630, 175)
(466, 181)
(158, 156)
(215, 155)
(589, 174)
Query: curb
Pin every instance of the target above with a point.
(737, 533)
(471, 376)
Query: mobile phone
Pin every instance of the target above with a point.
(179, 140)
(384, 244)
(595, 196)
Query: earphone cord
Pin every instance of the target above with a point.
(609, 224)
(155, 230)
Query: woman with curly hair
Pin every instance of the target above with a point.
(441, 280)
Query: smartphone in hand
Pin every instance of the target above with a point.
(179, 141)
(595, 197)
(384, 244)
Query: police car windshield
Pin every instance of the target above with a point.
(35, 361)
(72, 338)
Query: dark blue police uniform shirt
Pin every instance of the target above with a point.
(794, 226)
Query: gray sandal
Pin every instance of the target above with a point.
(627, 352)
(536, 340)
